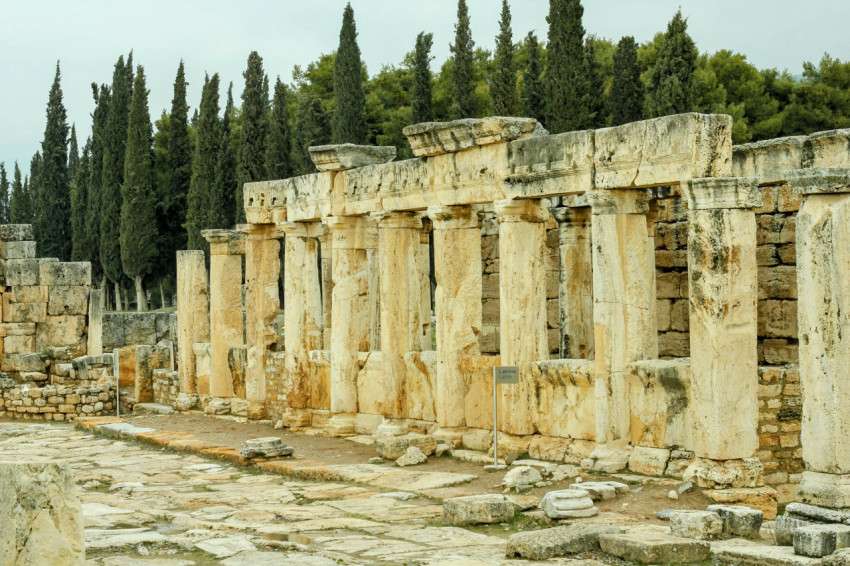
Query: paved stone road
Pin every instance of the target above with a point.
(145, 506)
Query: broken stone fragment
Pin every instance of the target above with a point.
(349, 156)
(521, 476)
(394, 447)
(654, 548)
(821, 540)
(478, 509)
(558, 541)
(412, 457)
(700, 525)
(267, 447)
(739, 520)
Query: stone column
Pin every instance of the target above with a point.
(722, 275)
(262, 305)
(193, 314)
(401, 302)
(349, 335)
(326, 253)
(226, 327)
(623, 303)
(95, 334)
(575, 283)
(522, 305)
(457, 265)
(425, 280)
(823, 307)
(302, 316)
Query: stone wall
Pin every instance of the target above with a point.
(57, 402)
(134, 328)
(166, 386)
(780, 412)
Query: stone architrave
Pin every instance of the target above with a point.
(226, 326)
(623, 300)
(262, 303)
(193, 314)
(522, 305)
(575, 283)
(401, 302)
(823, 307)
(457, 265)
(302, 314)
(350, 237)
(722, 275)
(95, 323)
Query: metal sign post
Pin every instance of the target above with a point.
(502, 375)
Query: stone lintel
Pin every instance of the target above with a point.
(435, 138)
(409, 220)
(225, 242)
(619, 201)
(349, 156)
(820, 180)
(454, 217)
(524, 210)
(352, 232)
(711, 193)
(299, 229)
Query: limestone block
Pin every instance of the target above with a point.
(23, 312)
(840, 557)
(24, 363)
(821, 540)
(738, 520)
(649, 461)
(236, 362)
(66, 330)
(473, 176)
(478, 509)
(264, 202)
(579, 450)
(768, 160)
(654, 548)
(663, 151)
(203, 362)
(512, 447)
(660, 396)
(715, 474)
(308, 197)
(266, 447)
(760, 498)
(42, 520)
(421, 386)
(827, 149)
(700, 525)
(113, 330)
(478, 439)
(370, 384)
(28, 294)
(784, 528)
(19, 344)
(192, 313)
(349, 156)
(17, 250)
(519, 477)
(67, 300)
(434, 138)
(16, 232)
(548, 448)
(557, 541)
(568, 504)
(22, 272)
(412, 456)
(566, 403)
(61, 273)
(824, 489)
(393, 447)
(320, 380)
(550, 165)
(722, 192)
(139, 328)
(17, 329)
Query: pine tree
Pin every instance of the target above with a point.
(626, 99)
(17, 204)
(313, 129)
(279, 147)
(595, 96)
(503, 87)
(53, 210)
(203, 165)
(114, 152)
(533, 102)
(172, 205)
(349, 120)
(223, 205)
(671, 88)
(252, 150)
(73, 155)
(138, 215)
(94, 202)
(464, 104)
(566, 80)
(421, 97)
(79, 207)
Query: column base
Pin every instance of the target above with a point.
(341, 424)
(256, 410)
(725, 474)
(608, 459)
(296, 418)
(825, 490)
(392, 427)
(762, 498)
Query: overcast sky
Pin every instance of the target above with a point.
(87, 36)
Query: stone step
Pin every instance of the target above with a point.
(654, 548)
(152, 409)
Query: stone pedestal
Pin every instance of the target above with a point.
(457, 264)
(226, 327)
(575, 283)
(262, 305)
(350, 238)
(723, 317)
(623, 303)
(302, 314)
(401, 302)
(522, 305)
(823, 307)
(193, 314)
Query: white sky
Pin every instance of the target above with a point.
(216, 36)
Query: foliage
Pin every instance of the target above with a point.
(223, 204)
(595, 96)
(279, 142)
(463, 67)
(671, 87)
(422, 107)
(4, 193)
(313, 128)
(567, 85)
(94, 199)
(79, 206)
(18, 205)
(251, 162)
(533, 101)
(349, 117)
(203, 166)
(503, 87)
(625, 103)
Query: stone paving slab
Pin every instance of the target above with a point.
(746, 553)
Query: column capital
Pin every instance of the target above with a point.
(619, 201)
(261, 231)
(819, 180)
(225, 242)
(710, 193)
(453, 217)
(352, 232)
(524, 210)
(298, 229)
(404, 219)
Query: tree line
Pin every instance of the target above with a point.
(137, 191)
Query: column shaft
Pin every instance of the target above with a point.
(193, 314)
(575, 283)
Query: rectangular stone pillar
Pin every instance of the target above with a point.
(522, 305)
(623, 302)
(575, 283)
(302, 315)
(457, 265)
(401, 302)
(226, 326)
(823, 307)
(722, 274)
(95, 334)
(350, 238)
(193, 314)
(262, 305)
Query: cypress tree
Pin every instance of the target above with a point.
(27, 201)
(566, 79)
(533, 102)
(53, 218)
(595, 96)
(313, 129)
(114, 153)
(464, 104)
(503, 85)
(626, 98)
(421, 97)
(4, 193)
(671, 88)
(17, 204)
(223, 205)
(73, 155)
(80, 247)
(138, 215)
(94, 200)
(203, 165)
(349, 120)
(251, 164)
(279, 148)
(172, 204)
(31, 184)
